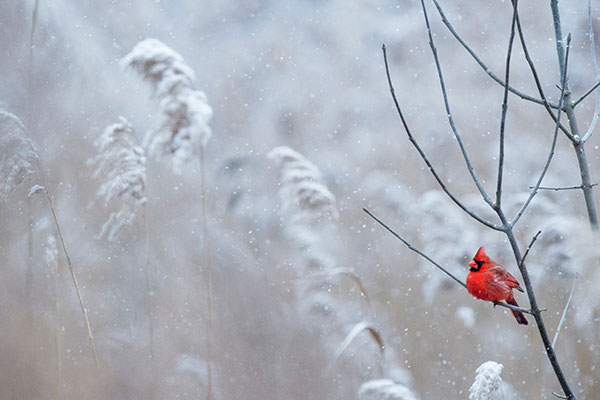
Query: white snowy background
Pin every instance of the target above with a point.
(308, 75)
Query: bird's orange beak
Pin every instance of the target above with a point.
(472, 264)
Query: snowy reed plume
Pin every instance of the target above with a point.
(311, 213)
(184, 113)
(17, 154)
(487, 382)
(303, 193)
(310, 209)
(121, 162)
(307, 203)
(384, 389)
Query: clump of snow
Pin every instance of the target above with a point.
(182, 126)
(384, 389)
(487, 381)
(122, 163)
(17, 154)
(35, 189)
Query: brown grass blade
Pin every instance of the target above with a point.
(353, 334)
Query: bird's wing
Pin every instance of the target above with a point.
(503, 275)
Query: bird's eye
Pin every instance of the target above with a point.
(479, 263)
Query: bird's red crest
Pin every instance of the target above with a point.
(481, 256)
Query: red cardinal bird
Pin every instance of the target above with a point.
(489, 281)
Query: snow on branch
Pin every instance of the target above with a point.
(182, 126)
(17, 154)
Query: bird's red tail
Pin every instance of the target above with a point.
(519, 316)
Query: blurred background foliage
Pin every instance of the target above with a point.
(308, 75)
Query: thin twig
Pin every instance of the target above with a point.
(522, 263)
(463, 150)
(411, 247)
(552, 147)
(586, 94)
(556, 189)
(436, 264)
(596, 74)
(538, 84)
(564, 314)
(504, 111)
(543, 101)
(424, 156)
(516, 308)
(560, 396)
(478, 60)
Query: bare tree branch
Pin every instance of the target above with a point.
(538, 83)
(497, 204)
(586, 94)
(424, 156)
(529, 247)
(564, 314)
(556, 189)
(596, 73)
(485, 196)
(411, 247)
(506, 226)
(543, 101)
(552, 147)
(478, 60)
(436, 264)
(578, 145)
